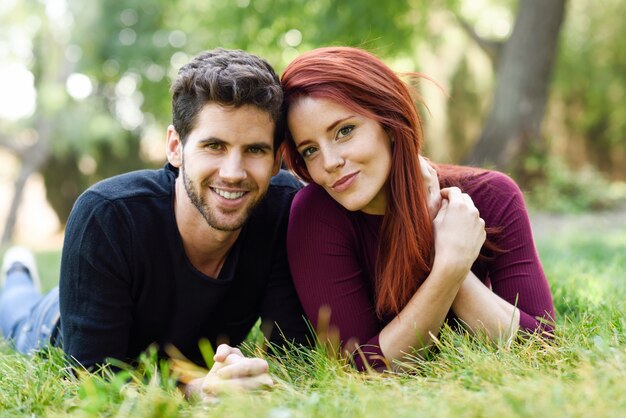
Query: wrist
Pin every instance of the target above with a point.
(451, 270)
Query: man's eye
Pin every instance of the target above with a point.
(255, 150)
(345, 131)
(214, 146)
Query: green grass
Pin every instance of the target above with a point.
(583, 373)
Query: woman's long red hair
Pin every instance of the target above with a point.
(361, 82)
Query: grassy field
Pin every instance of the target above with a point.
(582, 374)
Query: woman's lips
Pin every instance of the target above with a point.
(344, 182)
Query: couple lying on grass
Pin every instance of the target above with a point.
(389, 243)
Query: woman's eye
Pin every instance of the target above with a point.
(307, 152)
(345, 131)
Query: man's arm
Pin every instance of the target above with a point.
(95, 297)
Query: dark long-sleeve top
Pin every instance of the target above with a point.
(332, 255)
(126, 282)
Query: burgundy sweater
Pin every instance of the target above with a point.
(332, 255)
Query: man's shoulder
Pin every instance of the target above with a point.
(140, 183)
(282, 189)
(285, 180)
(277, 201)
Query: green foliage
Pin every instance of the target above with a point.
(130, 51)
(590, 80)
(34, 386)
(557, 188)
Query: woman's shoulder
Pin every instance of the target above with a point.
(496, 195)
(314, 197)
(313, 206)
(489, 183)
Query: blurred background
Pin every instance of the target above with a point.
(535, 88)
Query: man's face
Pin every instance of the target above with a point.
(227, 162)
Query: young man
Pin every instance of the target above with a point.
(193, 250)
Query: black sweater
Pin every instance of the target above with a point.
(126, 282)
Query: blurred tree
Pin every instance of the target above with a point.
(589, 91)
(524, 69)
(85, 113)
(102, 70)
(30, 142)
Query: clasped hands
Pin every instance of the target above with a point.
(231, 372)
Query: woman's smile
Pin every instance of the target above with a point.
(344, 182)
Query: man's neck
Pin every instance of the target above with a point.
(206, 247)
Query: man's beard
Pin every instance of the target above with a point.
(210, 214)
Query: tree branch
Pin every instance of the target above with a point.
(9, 145)
(491, 47)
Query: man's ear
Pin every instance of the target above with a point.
(174, 147)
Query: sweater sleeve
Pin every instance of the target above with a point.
(324, 262)
(515, 273)
(95, 299)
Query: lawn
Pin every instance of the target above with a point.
(582, 373)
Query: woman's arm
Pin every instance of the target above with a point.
(515, 271)
(481, 310)
(520, 291)
(459, 235)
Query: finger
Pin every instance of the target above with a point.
(451, 193)
(468, 200)
(224, 350)
(442, 211)
(244, 368)
(215, 385)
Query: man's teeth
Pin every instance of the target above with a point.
(229, 195)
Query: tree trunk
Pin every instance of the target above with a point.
(31, 160)
(523, 77)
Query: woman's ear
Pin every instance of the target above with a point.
(174, 147)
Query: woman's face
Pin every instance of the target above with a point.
(349, 155)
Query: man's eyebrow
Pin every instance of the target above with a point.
(262, 145)
(216, 140)
(211, 140)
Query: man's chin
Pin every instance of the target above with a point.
(228, 223)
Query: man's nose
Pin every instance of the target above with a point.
(232, 168)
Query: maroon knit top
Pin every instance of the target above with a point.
(332, 255)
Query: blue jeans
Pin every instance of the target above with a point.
(28, 319)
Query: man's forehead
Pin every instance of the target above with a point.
(242, 125)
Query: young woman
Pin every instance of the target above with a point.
(394, 245)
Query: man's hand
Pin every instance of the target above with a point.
(231, 372)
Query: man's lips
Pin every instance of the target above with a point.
(344, 182)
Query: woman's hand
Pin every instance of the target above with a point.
(431, 182)
(459, 232)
